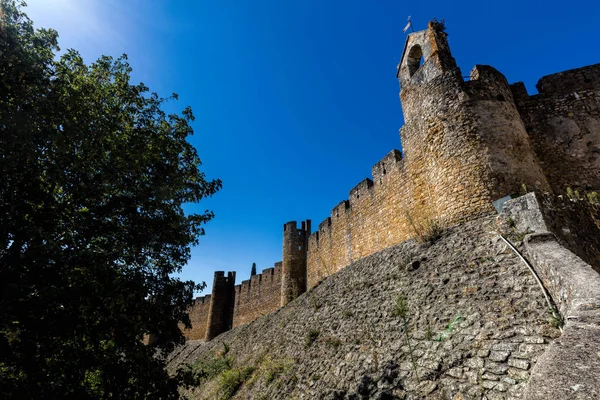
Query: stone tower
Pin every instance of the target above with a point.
(464, 142)
(293, 270)
(220, 312)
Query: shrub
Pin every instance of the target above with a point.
(201, 371)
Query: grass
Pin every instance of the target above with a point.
(428, 230)
(556, 320)
(202, 371)
(311, 337)
(221, 367)
(277, 368)
(314, 303)
(428, 333)
(333, 342)
(231, 380)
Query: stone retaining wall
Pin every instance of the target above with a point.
(570, 367)
(343, 339)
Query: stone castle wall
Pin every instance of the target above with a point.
(563, 122)
(467, 142)
(259, 295)
(232, 305)
(464, 147)
(199, 318)
(371, 219)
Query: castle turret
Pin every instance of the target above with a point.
(293, 271)
(426, 55)
(464, 142)
(220, 312)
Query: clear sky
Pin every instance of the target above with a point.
(296, 100)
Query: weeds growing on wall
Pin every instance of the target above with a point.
(201, 371)
(556, 319)
(314, 302)
(231, 380)
(333, 342)
(402, 310)
(428, 333)
(371, 333)
(429, 229)
(591, 197)
(573, 194)
(311, 337)
(446, 333)
(271, 369)
(524, 190)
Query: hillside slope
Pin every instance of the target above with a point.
(476, 318)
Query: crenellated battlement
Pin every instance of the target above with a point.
(392, 163)
(293, 267)
(202, 299)
(257, 296)
(487, 83)
(232, 305)
(573, 80)
(563, 125)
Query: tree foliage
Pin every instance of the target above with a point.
(93, 178)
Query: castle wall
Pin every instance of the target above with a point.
(258, 296)
(506, 144)
(464, 147)
(466, 144)
(198, 313)
(563, 121)
(372, 219)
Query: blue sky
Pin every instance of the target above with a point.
(295, 101)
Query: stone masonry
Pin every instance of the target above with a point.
(476, 319)
(466, 143)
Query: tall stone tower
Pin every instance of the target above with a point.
(220, 312)
(293, 269)
(464, 142)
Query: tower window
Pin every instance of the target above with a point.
(414, 59)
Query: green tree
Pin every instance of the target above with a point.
(253, 270)
(93, 178)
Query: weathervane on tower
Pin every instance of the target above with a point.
(409, 25)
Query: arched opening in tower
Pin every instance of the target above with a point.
(414, 59)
